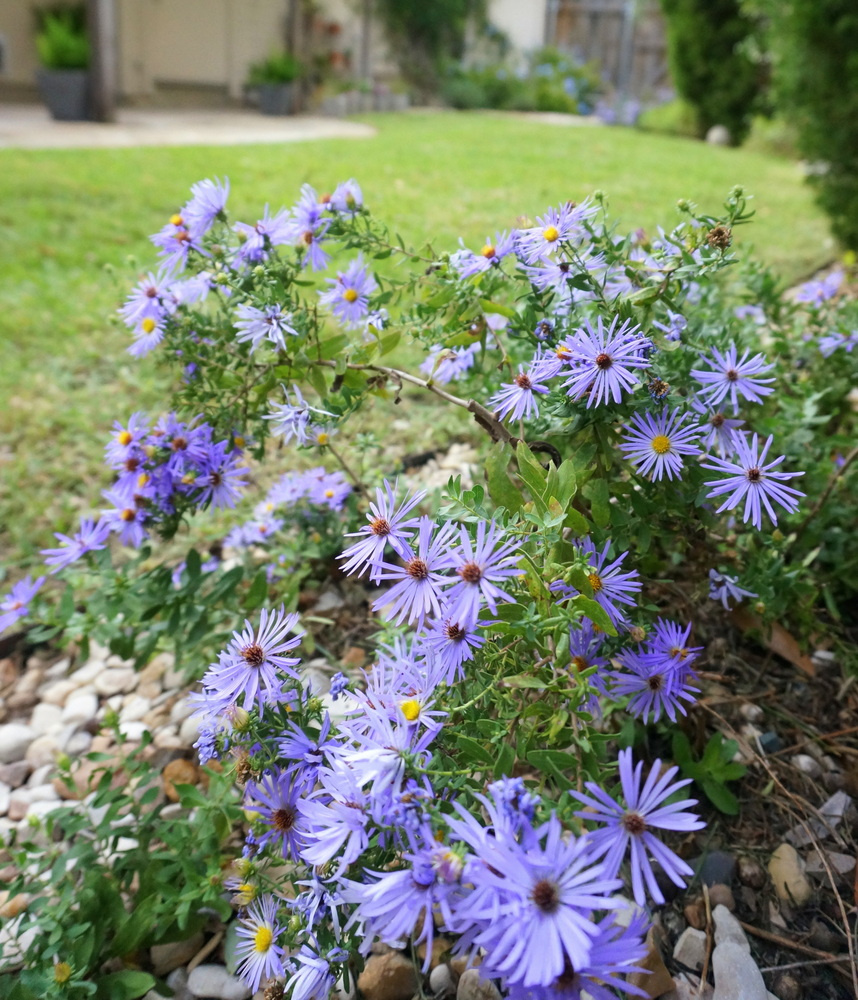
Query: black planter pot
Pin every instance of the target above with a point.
(65, 92)
(277, 98)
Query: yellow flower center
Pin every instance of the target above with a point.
(239, 441)
(551, 233)
(176, 220)
(127, 514)
(595, 581)
(322, 439)
(62, 972)
(262, 938)
(329, 494)
(661, 444)
(143, 479)
(410, 709)
(148, 324)
(188, 479)
(124, 437)
(350, 295)
(487, 251)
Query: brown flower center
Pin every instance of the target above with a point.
(283, 819)
(595, 581)
(178, 444)
(417, 569)
(655, 683)
(454, 631)
(604, 361)
(580, 663)
(253, 655)
(732, 375)
(754, 475)
(717, 419)
(470, 572)
(546, 896)
(523, 381)
(634, 824)
(379, 526)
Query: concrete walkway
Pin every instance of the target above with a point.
(29, 126)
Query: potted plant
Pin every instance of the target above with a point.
(275, 80)
(63, 49)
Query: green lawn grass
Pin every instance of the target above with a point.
(66, 217)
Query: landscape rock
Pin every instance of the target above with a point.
(736, 974)
(728, 928)
(5, 794)
(751, 872)
(189, 732)
(58, 692)
(43, 750)
(441, 981)
(215, 983)
(134, 709)
(657, 981)
(695, 913)
(787, 873)
(78, 743)
(388, 977)
(178, 772)
(15, 737)
(690, 949)
(722, 895)
(132, 731)
(46, 718)
(689, 988)
(831, 814)
(473, 987)
(716, 867)
(719, 135)
(167, 957)
(115, 680)
(80, 707)
(807, 765)
(841, 864)
(88, 672)
(15, 774)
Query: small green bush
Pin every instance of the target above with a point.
(61, 40)
(279, 67)
(814, 55)
(709, 64)
(672, 118)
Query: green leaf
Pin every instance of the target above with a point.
(258, 591)
(193, 564)
(333, 347)
(596, 491)
(505, 760)
(501, 489)
(190, 796)
(720, 796)
(125, 985)
(474, 751)
(495, 307)
(531, 472)
(595, 612)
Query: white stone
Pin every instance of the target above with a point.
(43, 750)
(5, 794)
(728, 928)
(78, 744)
(213, 981)
(167, 957)
(80, 707)
(115, 680)
(330, 600)
(132, 731)
(473, 987)
(46, 718)
(113, 703)
(168, 739)
(441, 981)
(134, 710)
(42, 793)
(189, 732)
(181, 710)
(736, 974)
(690, 949)
(58, 692)
(42, 807)
(41, 776)
(807, 765)
(88, 672)
(719, 135)
(59, 669)
(15, 737)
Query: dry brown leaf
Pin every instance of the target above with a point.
(776, 638)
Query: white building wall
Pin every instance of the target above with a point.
(523, 21)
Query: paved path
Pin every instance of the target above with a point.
(29, 126)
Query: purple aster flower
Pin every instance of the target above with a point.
(835, 340)
(659, 678)
(514, 802)
(307, 227)
(127, 442)
(399, 906)
(175, 242)
(147, 336)
(147, 300)
(443, 364)
(256, 242)
(533, 905)
(752, 312)
(189, 291)
(466, 263)
(819, 291)
(735, 377)
(480, 565)
(388, 525)
(90, 537)
(257, 954)
(556, 227)
(417, 590)
(336, 817)
(253, 665)
(257, 325)
(275, 798)
(726, 588)
(615, 952)
(16, 604)
(347, 197)
(293, 420)
(125, 518)
(310, 976)
(655, 446)
(603, 360)
(349, 296)
(452, 642)
(751, 479)
(717, 429)
(208, 203)
(518, 398)
(328, 489)
(221, 482)
(674, 327)
(339, 685)
(628, 828)
(556, 276)
(611, 586)
(307, 751)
